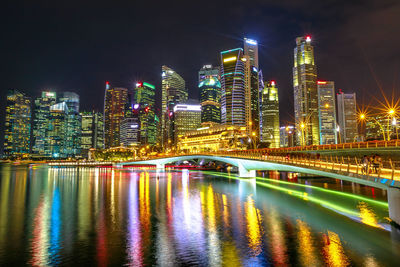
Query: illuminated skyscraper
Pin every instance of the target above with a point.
(251, 50)
(174, 92)
(233, 98)
(305, 92)
(270, 115)
(17, 132)
(114, 110)
(73, 124)
(327, 112)
(252, 85)
(347, 117)
(210, 94)
(58, 132)
(145, 98)
(41, 123)
(186, 118)
(92, 131)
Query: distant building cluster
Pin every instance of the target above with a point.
(236, 109)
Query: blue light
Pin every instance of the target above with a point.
(250, 41)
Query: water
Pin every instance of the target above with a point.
(104, 216)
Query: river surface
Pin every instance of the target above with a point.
(140, 217)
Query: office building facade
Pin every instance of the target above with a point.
(233, 98)
(186, 118)
(347, 117)
(17, 132)
(210, 94)
(115, 101)
(92, 131)
(327, 112)
(173, 92)
(145, 99)
(305, 92)
(270, 115)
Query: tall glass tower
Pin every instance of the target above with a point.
(327, 112)
(41, 122)
(347, 117)
(270, 115)
(114, 110)
(210, 94)
(145, 98)
(174, 92)
(233, 99)
(17, 132)
(305, 92)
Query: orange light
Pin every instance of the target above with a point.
(321, 82)
(326, 105)
(362, 116)
(391, 111)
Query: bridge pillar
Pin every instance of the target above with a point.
(245, 173)
(160, 166)
(394, 204)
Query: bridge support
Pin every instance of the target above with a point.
(245, 173)
(160, 166)
(394, 204)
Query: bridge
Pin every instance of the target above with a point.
(249, 162)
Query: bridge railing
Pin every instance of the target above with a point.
(380, 169)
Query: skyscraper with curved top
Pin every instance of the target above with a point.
(233, 100)
(210, 94)
(305, 92)
(174, 92)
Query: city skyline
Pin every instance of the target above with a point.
(51, 66)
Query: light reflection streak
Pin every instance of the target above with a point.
(253, 226)
(40, 239)
(278, 243)
(214, 255)
(333, 251)
(134, 250)
(305, 245)
(367, 215)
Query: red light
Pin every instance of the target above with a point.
(321, 82)
(308, 38)
(139, 84)
(146, 109)
(107, 82)
(170, 114)
(273, 83)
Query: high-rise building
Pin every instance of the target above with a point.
(130, 132)
(41, 123)
(57, 134)
(260, 92)
(233, 98)
(114, 111)
(73, 124)
(251, 50)
(347, 117)
(252, 86)
(305, 92)
(327, 112)
(186, 118)
(174, 92)
(210, 94)
(92, 131)
(270, 115)
(145, 98)
(17, 132)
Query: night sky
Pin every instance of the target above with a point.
(78, 45)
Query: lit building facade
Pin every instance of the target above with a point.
(73, 124)
(305, 92)
(327, 112)
(57, 133)
(347, 117)
(210, 94)
(92, 131)
(212, 139)
(114, 111)
(270, 115)
(173, 92)
(17, 132)
(186, 118)
(233, 100)
(41, 123)
(145, 98)
(252, 85)
(130, 132)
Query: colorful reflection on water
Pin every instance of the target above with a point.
(105, 216)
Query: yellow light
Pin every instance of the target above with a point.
(251, 123)
(228, 59)
(326, 105)
(362, 116)
(391, 111)
(302, 125)
(254, 133)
